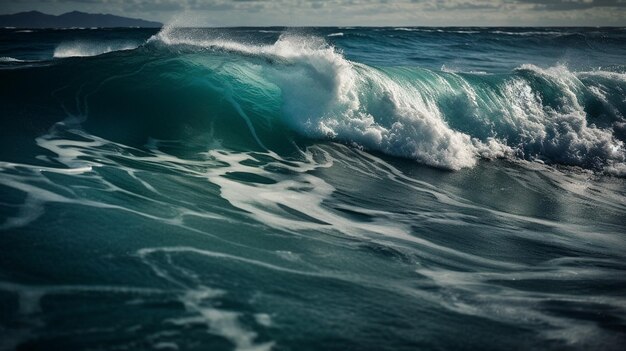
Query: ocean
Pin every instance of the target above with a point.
(313, 189)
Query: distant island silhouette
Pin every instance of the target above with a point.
(36, 19)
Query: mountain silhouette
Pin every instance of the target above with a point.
(36, 19)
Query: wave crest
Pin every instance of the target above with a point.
(444, 119)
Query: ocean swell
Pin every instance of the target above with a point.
(443, 119)
(302, 83)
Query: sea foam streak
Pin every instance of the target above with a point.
(298, 201)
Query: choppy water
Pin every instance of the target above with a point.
(313, 189)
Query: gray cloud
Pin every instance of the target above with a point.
(349, 12)
(568, 5)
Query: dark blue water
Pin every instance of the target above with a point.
(313, 189)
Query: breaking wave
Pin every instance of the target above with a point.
(85, 48)
(444, 119)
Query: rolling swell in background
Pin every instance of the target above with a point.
(333, 188)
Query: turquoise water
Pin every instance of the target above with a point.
(313, 189)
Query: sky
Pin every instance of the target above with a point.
(346, 12)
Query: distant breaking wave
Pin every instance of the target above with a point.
(9, 59)
(83, 49)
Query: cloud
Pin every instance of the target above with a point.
(351, 12)
(569, 5)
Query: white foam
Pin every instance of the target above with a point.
(327, 96)
(200, 300)
(529, 33)
(447, 69)
(562, 132)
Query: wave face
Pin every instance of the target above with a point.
(272, 188)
